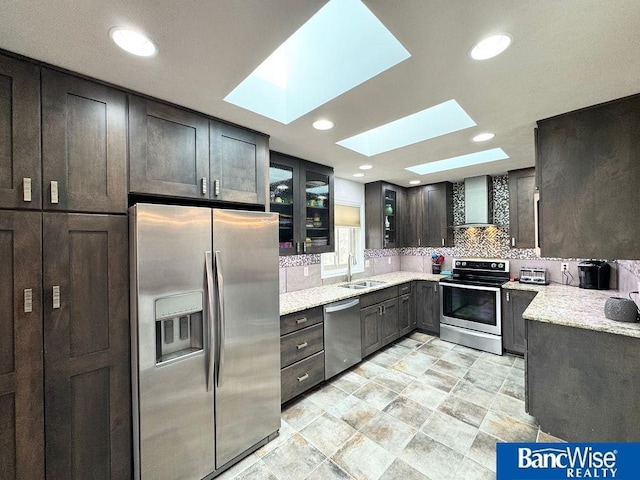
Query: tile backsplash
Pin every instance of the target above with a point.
(484, 242)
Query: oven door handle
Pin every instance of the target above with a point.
(471, 287)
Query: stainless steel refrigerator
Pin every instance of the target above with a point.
(205, 338)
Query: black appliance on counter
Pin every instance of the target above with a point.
(594, 274)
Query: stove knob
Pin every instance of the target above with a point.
(501, 266)
(457, 264)
(464, 264)
(493, 265)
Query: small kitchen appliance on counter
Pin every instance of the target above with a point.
(594, 274)
(537, 276)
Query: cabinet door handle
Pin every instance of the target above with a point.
(418, 242)
(56, 296)
(203, 185)
(301, 320)
(54, 191)
(380, 310)
(302, 345)
(26, 189)
(513, 241)
(304, 247)
(435, 287)
(443, 242)
(28, 300)
(303, 377)
(216, 188)
(508, 297)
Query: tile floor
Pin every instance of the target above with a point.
(421, 408)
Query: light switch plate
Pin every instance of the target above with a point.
(305, 271)
(367, 263)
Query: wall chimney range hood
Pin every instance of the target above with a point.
(478, 202)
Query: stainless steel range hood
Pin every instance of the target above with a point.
(478, 202)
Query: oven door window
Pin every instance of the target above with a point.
(478, 306)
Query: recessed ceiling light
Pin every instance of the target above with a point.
(483, 137)
(491, 46)
(323, 124)
(467, 160)
(432, 122)
(133, 42)
(414, 182)
(358, 175)
(365, 167)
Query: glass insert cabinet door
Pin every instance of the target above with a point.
(283, 198)
(317, 223)
(389, 217)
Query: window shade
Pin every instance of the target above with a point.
(346, 216)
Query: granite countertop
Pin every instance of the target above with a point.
(574, 307)
(291, 302)
(557, 304)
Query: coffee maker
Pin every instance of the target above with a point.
(594, 274)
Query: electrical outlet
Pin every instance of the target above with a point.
(305, 271)
(638, 289)
(367, 263)
(389, 260)
(565, 267)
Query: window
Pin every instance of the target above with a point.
(348, 240)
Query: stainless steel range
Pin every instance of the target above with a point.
(470, 303)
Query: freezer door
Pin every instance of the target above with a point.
(173, 433)
(247, 380)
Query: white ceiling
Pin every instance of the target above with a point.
(566, 54)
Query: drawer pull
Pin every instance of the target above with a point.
(301, 320)
(302, 345)
(303, 377)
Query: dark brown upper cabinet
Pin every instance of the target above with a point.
(84, 145)
(522, 184)
(301, 192)
(86, 346)
(589, 162)
(239, 161)
(430, 215)
(385, 214)
(20, 183)
(21, 370)
(169, 150)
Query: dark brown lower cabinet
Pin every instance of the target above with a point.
(428, 306)
(389, 322)
(406, 314)
(370, 329)
(86, 347)
(514, 302)
(21, 399)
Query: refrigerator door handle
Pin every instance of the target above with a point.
(210, 306)
(221, 325)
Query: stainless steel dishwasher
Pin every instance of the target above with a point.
(342, 340)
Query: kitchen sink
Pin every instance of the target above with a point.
(362, 284)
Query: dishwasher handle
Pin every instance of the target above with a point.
(336, 307)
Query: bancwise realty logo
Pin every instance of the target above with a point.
(554, 461)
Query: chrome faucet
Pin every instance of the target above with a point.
(350, 260)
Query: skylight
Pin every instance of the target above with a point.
(467, 160)
(340, 47)
(438, 120)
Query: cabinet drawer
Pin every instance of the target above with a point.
(301, 344)
(378, 296)
(298, 320)
(404, 289)
(301, 376)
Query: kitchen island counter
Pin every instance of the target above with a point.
(291, 302)
(581, 369)
(574, 307)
